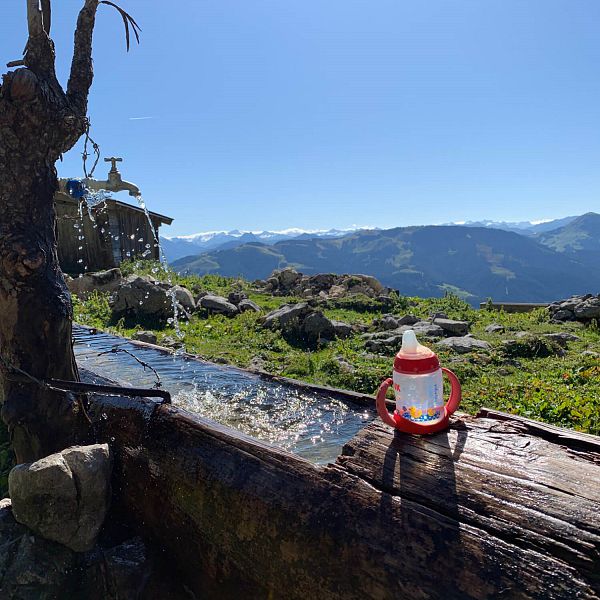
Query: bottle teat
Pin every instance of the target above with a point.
(412, 349)
(414, 358)
(410, 344)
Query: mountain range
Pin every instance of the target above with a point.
(535, 264)
(190, 245)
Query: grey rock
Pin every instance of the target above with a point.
(33, 568)
(344, 365)
(145, 336)
(248, 305)
(142, 296)
(563, 315)
(590, 353)
(218, 304)
(286, 315)
(386, 302)
(184, 298)
(317, 326)
(336, 291)
(381, 335)
(438, 315)
(342, 330)
(562, 338)
(386, 323)
(372, 282)
(171, 342)
(522, 334)
(272, 283)
(587, 310)
(532, 345)
(457, 328)
(408, 320)
(64, 497)
(384, 345)
(236, 297)
(287, 277)
(464, 344)
(101, 281)
(424, 329)
(495, 328)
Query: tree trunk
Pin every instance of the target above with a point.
(38, 122)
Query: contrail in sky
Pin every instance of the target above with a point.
(140, 118)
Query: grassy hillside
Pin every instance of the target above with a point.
(580, 235)
(530, 380)
(476, 262)
(560, 390)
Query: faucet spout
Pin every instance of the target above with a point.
(114, 183)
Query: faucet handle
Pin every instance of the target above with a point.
(114, 160)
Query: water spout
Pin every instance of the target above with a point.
(114, 183)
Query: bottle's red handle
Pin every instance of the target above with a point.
(399, 422)
(382, 410)
(455, 392)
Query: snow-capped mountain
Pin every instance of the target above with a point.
(197, 243)
(522, 227)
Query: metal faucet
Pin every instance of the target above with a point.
(114, 183)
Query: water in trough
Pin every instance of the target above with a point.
(314, 425)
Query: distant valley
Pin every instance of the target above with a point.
(539, 263)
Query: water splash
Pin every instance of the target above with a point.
(174, 321)
(312, 424)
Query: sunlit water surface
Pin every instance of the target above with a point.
(314, 425)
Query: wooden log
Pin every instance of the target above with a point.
(489, 509)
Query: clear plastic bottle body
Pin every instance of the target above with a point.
(420, 398)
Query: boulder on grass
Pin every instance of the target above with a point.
(317, 326)
(101, 281)
(142, 296)
(184, 298)
(148, 337)
(248, 305)
(464, 344)
(342, 330)
(219, 305)
(287, 314)
(64, 497)
(454, 328)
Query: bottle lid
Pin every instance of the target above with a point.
(414, 358)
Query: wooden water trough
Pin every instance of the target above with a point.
(513, 307)
(496, 507)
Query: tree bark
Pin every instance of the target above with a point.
(38, 122)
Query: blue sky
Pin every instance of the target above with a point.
(268, 114)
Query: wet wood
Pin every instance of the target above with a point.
(488, 509)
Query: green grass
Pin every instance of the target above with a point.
(561, 390)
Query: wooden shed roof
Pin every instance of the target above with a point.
(113, 202)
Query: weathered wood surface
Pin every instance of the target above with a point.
(485, 510)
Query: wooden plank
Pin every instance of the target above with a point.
(487, 509)
(513, 307)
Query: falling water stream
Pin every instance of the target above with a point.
(314, 425)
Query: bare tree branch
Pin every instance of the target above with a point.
(39, 51)
(82, 71)
(46, 15)
(35, 25)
